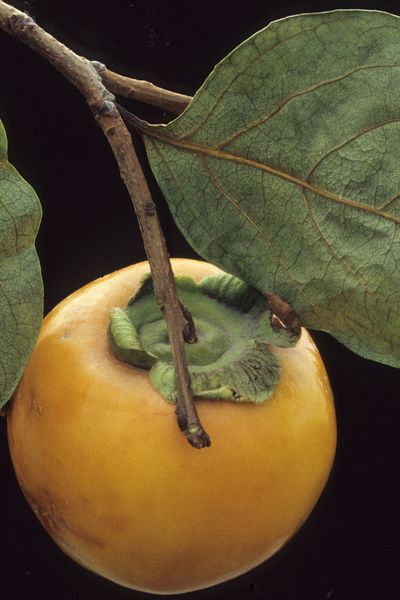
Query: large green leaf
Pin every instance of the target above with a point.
(285, 171)
(21, 289)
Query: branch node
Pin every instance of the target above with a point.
(104, 106)
(112, 130)
(20, 23)
(99, 66)
(107, 107)
(150, 208)
(160, 299)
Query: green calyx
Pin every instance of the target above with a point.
(231, 359)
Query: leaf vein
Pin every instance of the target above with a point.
(349, 141)
(251, 221)
(224, 90)
(343, 262)
(183, 196)
(298, 94)
(303, 183)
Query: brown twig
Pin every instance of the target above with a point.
(84, 76)
(143, 91)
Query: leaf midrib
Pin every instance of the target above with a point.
(278, 258)
(223, 155)
(330, 248)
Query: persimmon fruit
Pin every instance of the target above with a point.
(101, 461)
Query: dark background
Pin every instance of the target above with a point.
(349, 548)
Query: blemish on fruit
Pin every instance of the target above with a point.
(34, 406)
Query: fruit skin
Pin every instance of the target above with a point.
(102, 463)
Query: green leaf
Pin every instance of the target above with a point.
(284, 170)
(21, 289)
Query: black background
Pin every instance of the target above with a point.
(348, 549)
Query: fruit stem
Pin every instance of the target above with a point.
(86, 78)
